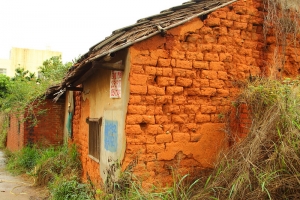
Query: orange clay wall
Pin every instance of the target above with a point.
(182, 86)
(91, 171)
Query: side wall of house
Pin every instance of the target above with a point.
(182, 87)
(49, 129)
(95, 102)
(15, 134)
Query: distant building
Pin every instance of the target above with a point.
(29, 59)
(4, 66)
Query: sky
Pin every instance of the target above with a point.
(69, 26)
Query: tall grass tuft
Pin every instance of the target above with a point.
(266, 164)
(23, 161)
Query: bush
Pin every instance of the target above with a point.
(24, 160)
(64, 189)
(266, 164)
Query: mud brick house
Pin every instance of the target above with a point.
(49, 130)
(152, 95)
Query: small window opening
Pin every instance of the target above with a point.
(94, 137)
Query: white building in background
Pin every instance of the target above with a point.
(4, 66)
(29, 59)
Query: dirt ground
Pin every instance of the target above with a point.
(18, 187)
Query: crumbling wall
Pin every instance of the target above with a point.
(15, 133)
(91, 171)
(182, 87)
(49, 128)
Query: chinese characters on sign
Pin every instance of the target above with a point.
(115, 84)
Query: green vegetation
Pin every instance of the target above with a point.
(266, 164)
(58, 168)
(25, 90)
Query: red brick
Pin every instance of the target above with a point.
(217, 66)
(216, 83)
(144, 60)
(184, 82)
(208, 109)
(184, 64)
(154, 129)
(164, 62)
(179, 118)
(165, 81)
(209, 74)
(134, 99)
(159, 53)
(163, 138)
(200, 118)
(134, 109)
(167, 72)
(194, 56)
(150, 70)
(191, 109)
(208, 91)
(211, 57)
(138, 89)
(192, 91)
(222, 75)
(138, 69)
(212, 22)
(178, 100)
(174, 90)
(175, 109)
(177, 54)
(153, 90)
(133, 129)
(138, 79)
(226, 23)
(184, 73)
(223, 92)
(200, 65)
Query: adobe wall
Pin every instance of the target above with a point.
(15, 133)
(182, 87)
(49, 129)
(80, 138)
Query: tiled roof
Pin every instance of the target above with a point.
(143, 29)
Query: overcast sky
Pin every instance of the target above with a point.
(69, 26)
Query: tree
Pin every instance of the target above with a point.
(4, 85)
(53, 70)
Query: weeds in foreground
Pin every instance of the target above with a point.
(266, 164)
(3, 130)
(58, 168)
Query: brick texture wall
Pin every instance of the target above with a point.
(15, 134)
(183, 84)
(90, 167)
(181, 88)
(48, 131)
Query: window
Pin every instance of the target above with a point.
(3, 71)
(94, 137)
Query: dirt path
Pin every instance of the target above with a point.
(18, 187)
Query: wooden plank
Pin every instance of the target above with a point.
(111, 66)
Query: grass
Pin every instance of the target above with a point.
(3, 130)
(55, 167)
(264, 165)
